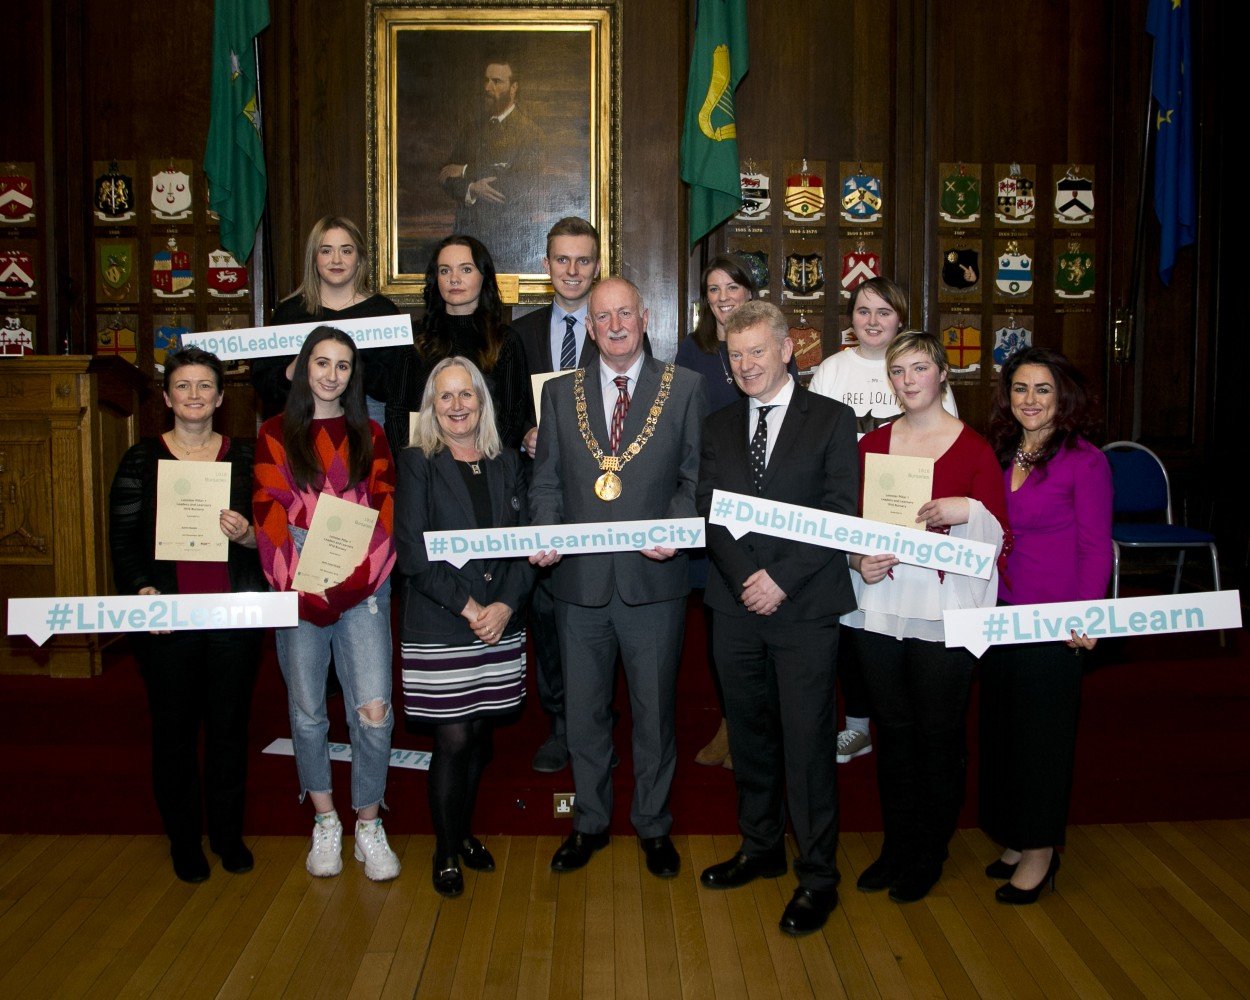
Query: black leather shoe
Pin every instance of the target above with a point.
(577, 850)
(999, 870)
(879, 875)
(808, 910)
(914, 884)
(742, 869)
(663, 861)
(475, 855)
(448, 879)
(190, 865)
(235, 857)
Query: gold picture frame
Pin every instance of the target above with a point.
(430, 104)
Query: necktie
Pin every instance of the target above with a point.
(619, 412)
(759, 448)
(568, 350)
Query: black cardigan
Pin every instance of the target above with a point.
(132, 522)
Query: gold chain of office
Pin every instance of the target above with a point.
(608, 485)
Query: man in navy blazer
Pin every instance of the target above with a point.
(775, 605)
(633, 603)
(555, 337)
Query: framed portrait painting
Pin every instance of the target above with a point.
(494, 121)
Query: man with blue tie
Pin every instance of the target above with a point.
(555, 339)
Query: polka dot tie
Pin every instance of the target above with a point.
(759, 448)
(619, 412)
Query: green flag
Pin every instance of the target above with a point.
(234, 158)
(709, 143)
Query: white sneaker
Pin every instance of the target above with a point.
(326, 856)
(381, 863)
(852, 744)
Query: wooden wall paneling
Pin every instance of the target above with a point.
(1037, 96)
(25, 139)
(280, 92)
(821, 85)
(1129, 71)
(65, 185)
(655, 53)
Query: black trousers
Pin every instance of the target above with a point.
(855, 700)
(919, 701)
(778, 680)
(1030, 701)
(548, 669)
(194, 680)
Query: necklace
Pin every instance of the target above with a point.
(475, 468)
(1027, 459)
(188, 451)
(608, 485)
(720, 356)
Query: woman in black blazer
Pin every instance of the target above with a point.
(463, 630)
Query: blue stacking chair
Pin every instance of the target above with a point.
(1141, 488)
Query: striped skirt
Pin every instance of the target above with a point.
(455, 683)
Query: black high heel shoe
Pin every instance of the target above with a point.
(473, 854)
(1000, 870)
(1015, 896)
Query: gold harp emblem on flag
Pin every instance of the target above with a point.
(718, 96)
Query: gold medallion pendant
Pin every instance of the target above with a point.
(608, 486)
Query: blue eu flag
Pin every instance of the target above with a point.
(1171, 86)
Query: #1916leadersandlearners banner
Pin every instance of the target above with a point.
(276, 341)
(42, 617)
(976, 629)
(740, 514)
(458, 547)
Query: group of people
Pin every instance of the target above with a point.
(626, 437)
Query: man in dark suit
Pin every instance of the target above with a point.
(493, 169)
(619, 442)
(775, 605)
(555, 338)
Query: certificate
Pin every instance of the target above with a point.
(190, 497)
(337, 542)
(896, 487)
(536, 385)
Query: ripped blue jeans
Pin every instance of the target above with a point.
(361, 641)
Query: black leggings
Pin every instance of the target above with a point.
(461, 752)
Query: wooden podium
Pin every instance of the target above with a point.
(64, 423)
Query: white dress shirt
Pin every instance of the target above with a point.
(781, 406)
(611, 393)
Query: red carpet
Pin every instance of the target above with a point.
(1164, 735)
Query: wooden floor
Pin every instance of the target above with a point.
(1155, 910)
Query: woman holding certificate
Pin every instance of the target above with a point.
(1059, 498)
(463, 316)
(917, 688)
(323, 502)
(335, 286)
(463, 632)
(202, 677)
(856, 376)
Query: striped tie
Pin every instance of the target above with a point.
(619, 412)
(568, 350)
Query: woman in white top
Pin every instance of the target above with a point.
(856, 376)
(917, 687)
